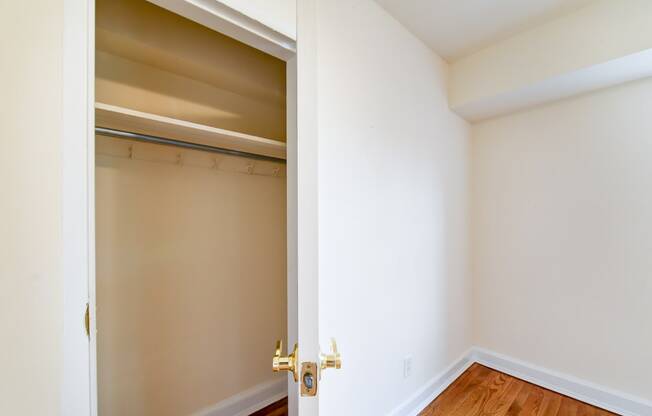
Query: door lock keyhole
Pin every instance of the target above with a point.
(309, 380)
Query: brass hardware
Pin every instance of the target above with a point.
(289, 363)
(309, 379)
(87, 321)
(332, 360)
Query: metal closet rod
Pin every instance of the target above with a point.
(121, 134)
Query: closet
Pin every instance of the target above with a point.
(190, 185)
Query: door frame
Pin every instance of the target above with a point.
(79, 359)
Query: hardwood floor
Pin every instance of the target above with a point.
(481, 391)
(280, 408)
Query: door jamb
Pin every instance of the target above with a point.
(78, 395)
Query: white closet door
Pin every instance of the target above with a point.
(307, 191)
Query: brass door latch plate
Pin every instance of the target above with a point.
(309, 379)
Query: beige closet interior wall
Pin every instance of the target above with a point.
(191, 286)
(191, 248)
(562, 225)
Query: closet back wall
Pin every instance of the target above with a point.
(190, 279)
(191, 250)
(190, 270)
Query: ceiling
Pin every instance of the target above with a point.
(455, 28)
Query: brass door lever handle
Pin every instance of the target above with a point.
(332, 360)
(289, 363)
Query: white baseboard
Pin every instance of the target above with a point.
(621, 403)
(248, 401)
(422, 398)
(600, 396)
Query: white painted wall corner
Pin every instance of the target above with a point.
(615, 401)
(585, 391)
(435, 386)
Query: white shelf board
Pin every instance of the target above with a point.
(120, 118)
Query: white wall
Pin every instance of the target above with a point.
(602, 32)
(562, 225)
(393, 211)
(31, 292)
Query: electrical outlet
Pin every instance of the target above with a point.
(407, 366)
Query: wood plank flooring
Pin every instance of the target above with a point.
(481, 391)
(280, 408)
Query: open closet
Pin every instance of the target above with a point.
(190, 182)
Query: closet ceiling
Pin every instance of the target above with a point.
(455, 28)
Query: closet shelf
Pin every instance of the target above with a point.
(120, 118)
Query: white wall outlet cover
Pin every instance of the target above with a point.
(407, 366)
